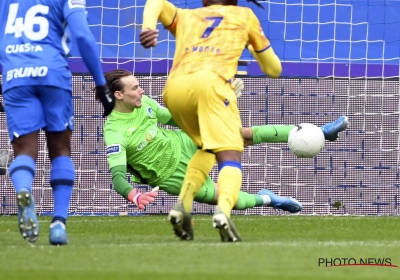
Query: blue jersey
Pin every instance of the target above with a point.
(34, 42)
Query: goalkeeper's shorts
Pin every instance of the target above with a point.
(174, 183)
(204, 105)
(31, 108)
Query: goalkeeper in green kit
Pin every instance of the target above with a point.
(158, 157)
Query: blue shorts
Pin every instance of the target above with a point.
(31, 108)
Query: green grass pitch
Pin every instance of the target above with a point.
(274, 247)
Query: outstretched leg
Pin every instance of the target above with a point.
(280, 133)
(209, 194)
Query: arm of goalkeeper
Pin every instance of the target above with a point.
(238, 87)
(142, 199)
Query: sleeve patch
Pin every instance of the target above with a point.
(113, 149)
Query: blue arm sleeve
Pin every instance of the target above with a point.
(80, 31)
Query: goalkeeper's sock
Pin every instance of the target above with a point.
(247, 200)
(198, 168)
(22, 170)
(229, 182)
(271, 133)
(62, 180)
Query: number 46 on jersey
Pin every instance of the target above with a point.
(18, 25)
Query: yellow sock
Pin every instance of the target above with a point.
(197, 171)
(229, 182)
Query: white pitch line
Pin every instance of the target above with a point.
(105, 219)
(269, 243)
(370, 243)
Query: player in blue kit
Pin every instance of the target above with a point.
(34, 46)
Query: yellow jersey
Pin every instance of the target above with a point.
(212, 38)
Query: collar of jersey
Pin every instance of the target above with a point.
(121, 115)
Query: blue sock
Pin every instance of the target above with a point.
(22, 170)
(62, 177)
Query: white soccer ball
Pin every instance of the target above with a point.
(306, 140)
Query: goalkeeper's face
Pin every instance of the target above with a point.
(130, 97)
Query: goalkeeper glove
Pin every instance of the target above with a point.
(106, 97)
(238, 87)
(142, 199)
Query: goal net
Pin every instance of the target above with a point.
(339, 57)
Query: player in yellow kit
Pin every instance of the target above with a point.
(198, 93)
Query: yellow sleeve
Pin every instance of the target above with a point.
(256, 35)
(162, 10)
(260, 48)
(268, 61)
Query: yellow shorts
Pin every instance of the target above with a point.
(204, 105)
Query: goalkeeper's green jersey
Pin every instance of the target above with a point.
(151, 153)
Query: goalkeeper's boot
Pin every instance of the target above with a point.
(58, 233)
(27, 221)
(331, 130)
(181, 222)
(281, 202)
(226, 227)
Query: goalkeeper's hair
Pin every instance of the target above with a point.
(113, 79)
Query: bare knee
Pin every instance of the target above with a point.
(26, 145)
(229, 155)
(59, 143)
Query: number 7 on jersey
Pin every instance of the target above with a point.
(216, 21)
